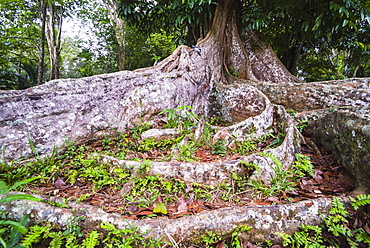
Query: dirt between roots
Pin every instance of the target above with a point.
(330, 179)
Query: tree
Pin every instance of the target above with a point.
(291, 27)
(120, 30)
(233, 74)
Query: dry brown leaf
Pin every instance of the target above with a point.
(221, 244)
(182, 205)
(59, 183)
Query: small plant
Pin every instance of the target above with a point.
(186, 152)
(283, 180)
(245, 147)
(130, 237)
(10, 231)
(235, 241)
(362, 200)
(210, 238)
(302, 166)
(181, 117)
(219, 148)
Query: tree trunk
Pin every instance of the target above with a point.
(290, 59)
(41, 68)
(119, 27)
(53, 36)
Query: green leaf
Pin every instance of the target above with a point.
(160, 208)
(345, 22)
(16, 197)
(17, 184)
(16, 225)
(4, 189)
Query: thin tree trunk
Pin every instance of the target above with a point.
(53, 35)
(40, 74)
(120, 29)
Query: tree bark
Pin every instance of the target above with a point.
(119, 27)
(41, 68)
(53, 36)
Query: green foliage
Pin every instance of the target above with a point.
(362, 200)
(235, 241)
(232, 239)
(92, 240)
(111, 237)
(18, 35)
(330, 36)
(173, 16)
(283, 180)
(130, 237)
(36, 234)
(336, 223)
(11, 230)
(302, 165)
(245, 147)
(147, 188)
(219, 148)
(210, 237)
(181, 117)
(186, 152)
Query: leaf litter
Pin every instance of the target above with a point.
(329, 179)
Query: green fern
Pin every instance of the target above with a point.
(92, 240)
(362, 200)
(57, 241)
(362, 236)
(71, 242)
(35, 235)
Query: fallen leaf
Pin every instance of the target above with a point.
(59, 183)
(221, 244)
(367, 229)
(160, 208)
(182, 205)
(145, 212)
(273, 199)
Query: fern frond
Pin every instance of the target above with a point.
(92, 240)
(362, 200)
(362, 236)
(71, 242)
(337, 207)
(37, 232)
(57, 241)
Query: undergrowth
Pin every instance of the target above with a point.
(334, 231)
(80, 163)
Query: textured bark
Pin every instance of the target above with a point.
(345, 131)
(41, 68)
(317, 95)
(73, 108)
(53, 36)
(265, 221)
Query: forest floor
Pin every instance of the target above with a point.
(329, 179)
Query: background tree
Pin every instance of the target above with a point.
(294, 28)
(120, 30)
(19, 34)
